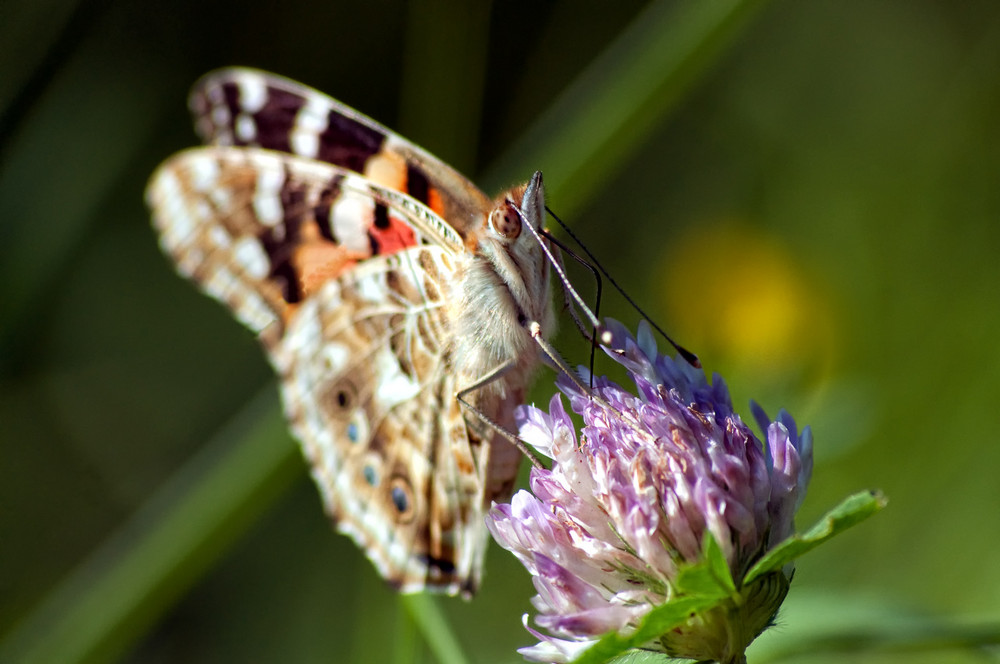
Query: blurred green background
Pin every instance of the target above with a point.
(807, 194)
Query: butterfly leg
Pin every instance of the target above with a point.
(491, 377)
(553, 358)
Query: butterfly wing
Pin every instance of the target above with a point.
(248, 107)
(345, 283)
(239, 106)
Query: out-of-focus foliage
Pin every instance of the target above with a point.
(816, 217)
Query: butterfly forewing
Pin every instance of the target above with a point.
(238, 106)
(380, 289)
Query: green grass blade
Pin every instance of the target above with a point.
(442, 112)
(425, 611)
(607, 112)
(127, 583)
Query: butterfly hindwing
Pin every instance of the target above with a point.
(368, 389)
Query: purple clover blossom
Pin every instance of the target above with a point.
(623, 508)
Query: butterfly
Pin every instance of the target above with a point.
(400, 307)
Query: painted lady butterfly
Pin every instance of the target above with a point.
(383, 285)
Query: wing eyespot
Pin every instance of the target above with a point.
(342, 397)
(343, 413)
(401, 495)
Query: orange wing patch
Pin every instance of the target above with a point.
(390, 235)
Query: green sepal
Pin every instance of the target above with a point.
(699, 588)
(710, 577)
(660, 620)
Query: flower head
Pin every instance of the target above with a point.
(624, 509)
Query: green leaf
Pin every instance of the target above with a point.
(854, 509)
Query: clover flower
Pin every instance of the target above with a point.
(654, 478)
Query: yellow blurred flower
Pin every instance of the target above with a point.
(733, 292)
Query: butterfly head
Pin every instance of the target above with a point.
(518, 206)
(505, 288)
(515, 251)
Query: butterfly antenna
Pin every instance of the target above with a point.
(557, 265)
(690, 357)
(557, 361)
(605, 335)
(592, 334)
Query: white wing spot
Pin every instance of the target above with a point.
(174, 220)
(250, 254)
(219, 236)
(246, 128)
(394, 386)
(266, 200)
(268, 209)
(372, 290)
(336, 356)
(304, 143)
(314, 115)
(204, 173)
(253, 92)
(309, 123)
(350, 218)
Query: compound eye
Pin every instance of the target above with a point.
(505, 221)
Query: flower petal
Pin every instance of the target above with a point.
(621, 510)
